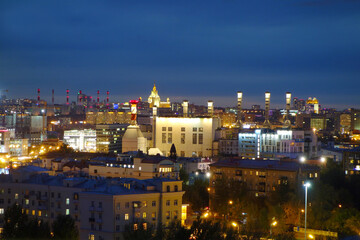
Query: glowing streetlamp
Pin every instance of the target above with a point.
(273, 224)
(302, 159)
(322, 159)
(306, 185)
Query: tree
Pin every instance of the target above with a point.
(173, 152)
(15, 223)
(64, 228)
(141, 231)
(197, 194)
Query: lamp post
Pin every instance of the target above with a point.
(306, 185)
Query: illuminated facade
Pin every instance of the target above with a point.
(140, 168)
(155, 101)
(81, 140)
(266, 143)
(19, 147)
(191, 136)
(312, 105)
(109, 137)
(4, 140)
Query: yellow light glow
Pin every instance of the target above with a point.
(274, 223)
(230, 202)
(311, 236)
(206, 215)
(234, 224)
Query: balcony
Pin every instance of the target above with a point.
(91, 209)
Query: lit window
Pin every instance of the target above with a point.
(39, 213)
(91, 237)
(126, 216)
(67, 211)
(1, 211)
(16, 196)
(33, 212)
(67, 201)
(144, 215)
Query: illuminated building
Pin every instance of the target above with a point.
(100, 207)
(81, 140)
(140, 167)
(266, 143)
(19, 147)
(312, 105)
(191, 136)
(262, 177)
(109, 137)
(355, 119)
(4, 140)
(154, 100)
(108, 117)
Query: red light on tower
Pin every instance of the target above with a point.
(107, 97)
(98, 98)
(38, 92)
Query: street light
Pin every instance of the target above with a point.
(302, 159)
(322, 159)
(306, 185)
(273, 224)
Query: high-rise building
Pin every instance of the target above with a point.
(109, 137)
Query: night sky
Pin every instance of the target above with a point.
(195, 50)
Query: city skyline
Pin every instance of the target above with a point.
(200, 51)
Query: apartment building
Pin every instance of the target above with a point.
(263, 176)
(101, 207)
(267, 143)
(140, 167)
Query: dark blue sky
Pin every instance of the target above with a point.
(197, 50)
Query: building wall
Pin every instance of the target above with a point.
(186, 134)
(81, 140)
(109, 137)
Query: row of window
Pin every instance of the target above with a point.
(196, 138)
(195, 129)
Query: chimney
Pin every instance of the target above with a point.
(267, 109)
(52, 99)
(210, 108)
(185, 108)
(67, 96)
(239, 103)
(287, 122)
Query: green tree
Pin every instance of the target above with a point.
(64, 228)
(15, 223)
(138, 231)
(197, 194)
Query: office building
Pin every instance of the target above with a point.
(109, 137)
(81, 140)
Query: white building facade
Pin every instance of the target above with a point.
(81, 140)
(192, 137)
(266, 143)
